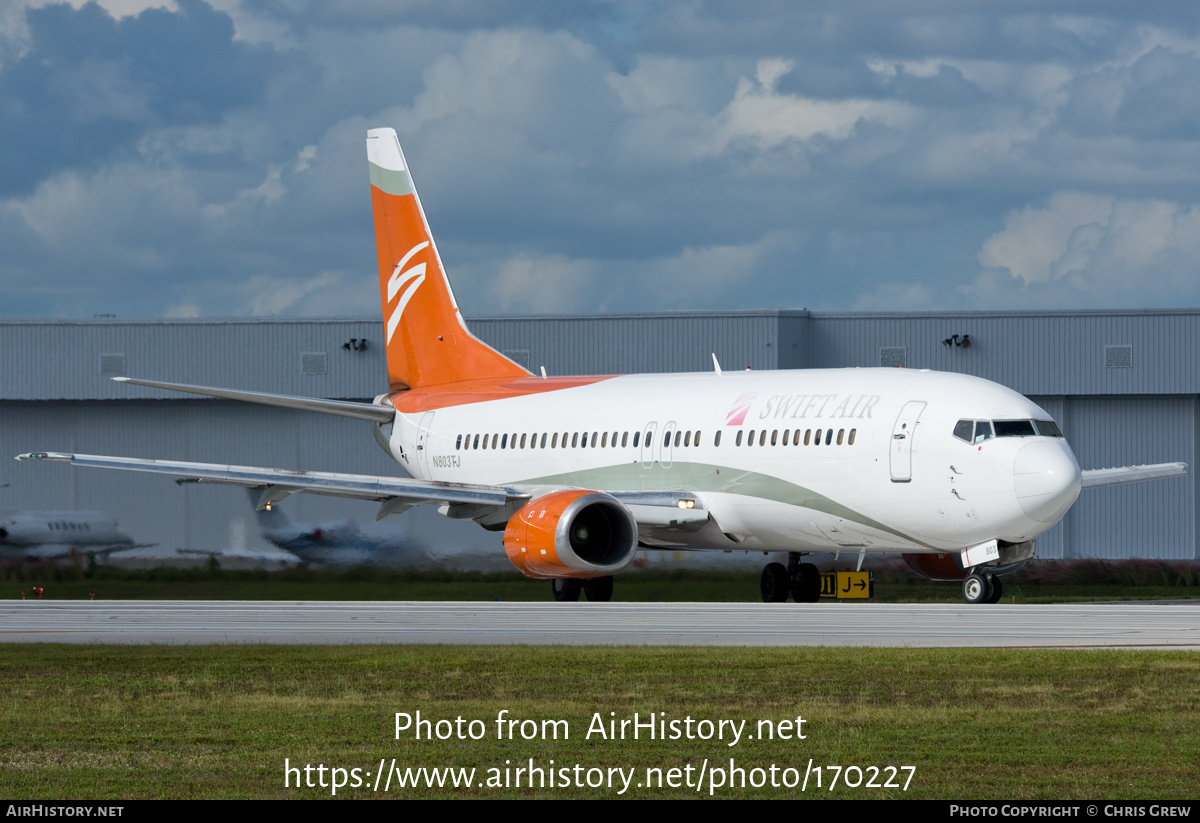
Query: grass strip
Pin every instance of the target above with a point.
(100, 722)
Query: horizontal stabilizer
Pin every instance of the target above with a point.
(357, 486)
(1094, 478)
(345, 408)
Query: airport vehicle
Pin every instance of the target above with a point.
(958, 473)
(46, 535)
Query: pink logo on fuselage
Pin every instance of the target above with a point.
(740, 409)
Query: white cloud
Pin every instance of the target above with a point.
(759, 114)
(543, 284)
(265, 193)
(187, 308)
(266, 295)
(1036, 243)
(1111, 250)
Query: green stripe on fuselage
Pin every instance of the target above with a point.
(705, 477)
(389, 181)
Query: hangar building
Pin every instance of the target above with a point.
(1121, 385)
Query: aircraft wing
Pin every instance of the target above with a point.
(395, 493)
(1094, 478)
(659, 510)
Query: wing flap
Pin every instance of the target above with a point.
(1095, 478)
(277, 482)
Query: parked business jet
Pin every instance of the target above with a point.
(332, 542)
(958, 473)
(47, 535)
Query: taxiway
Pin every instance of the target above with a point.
(1175, 625)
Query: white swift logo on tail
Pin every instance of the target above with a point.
(407, 279)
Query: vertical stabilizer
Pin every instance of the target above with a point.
(428, 343)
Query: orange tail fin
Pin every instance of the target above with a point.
(428, 343)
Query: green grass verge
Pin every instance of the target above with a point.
(1037, 583)
(100, 722)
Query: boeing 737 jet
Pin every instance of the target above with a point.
(958, 473)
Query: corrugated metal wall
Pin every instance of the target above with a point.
(1037, 353)
(632, 344)
(53, 360)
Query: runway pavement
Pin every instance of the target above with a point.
(666, 624)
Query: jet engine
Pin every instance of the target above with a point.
(575, 533)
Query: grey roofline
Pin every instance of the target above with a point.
(732, 313)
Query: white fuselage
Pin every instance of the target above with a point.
(905, 482)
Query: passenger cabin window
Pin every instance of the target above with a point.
(850, 442)
(738, 440)
(717, 439)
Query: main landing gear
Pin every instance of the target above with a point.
(982, 588)
(568, 589)
(801, 580)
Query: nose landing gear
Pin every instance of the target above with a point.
(982, 588)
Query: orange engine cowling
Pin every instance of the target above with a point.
(947, 566)
(575, 533)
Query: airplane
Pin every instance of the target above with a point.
(47, 535)
(334, 542)
(958, 473)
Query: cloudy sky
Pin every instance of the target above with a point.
(194, 158)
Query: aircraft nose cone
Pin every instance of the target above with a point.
(1047, 479)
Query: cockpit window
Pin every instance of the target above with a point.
(983, 431)
(1048, 428)
(963, 429)
(1015, 428)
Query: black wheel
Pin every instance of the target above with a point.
(775, 583)
(566, 589)
(997, 589)
(598, 589)
(976, 589)
(806, 585)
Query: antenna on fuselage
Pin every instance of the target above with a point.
(716, 365)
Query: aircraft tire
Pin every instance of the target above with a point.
(806, 585)
(599, 589)
(566, 589)
(976, 589)
(775, 583)
(996, 589)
